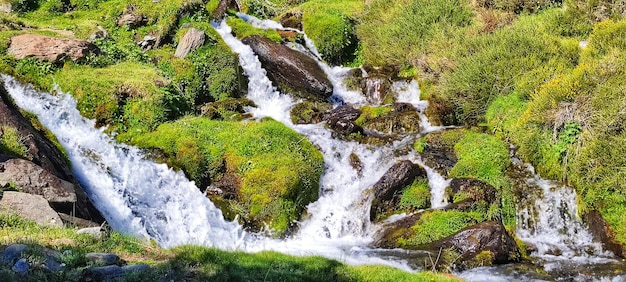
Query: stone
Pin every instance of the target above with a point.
(395, 123)
(102, 273)
(291, 71)
(45, 154)
(219, 12)
(135, 268)
(12, 253)
(53, 265)
(292, 20)
(147, 42)
(6, 7)
(33, 179)
(473, 240)
(376, 89)
(96, 232)
(344, 127)
(469, 191)
(131, 18)
(603, 233)
(32, 207)
(103, 258)
(101, 33)
(77, 221)
(21, 267)
(48, 48)
(397, 177)
(308, 112)
(193, 39)
(342, 112)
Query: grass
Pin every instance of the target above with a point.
(12, 142)
(279, 169)
(242, 29)
(436, 225)
(188, 263)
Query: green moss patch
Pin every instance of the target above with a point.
(279, 169)
(436, 225)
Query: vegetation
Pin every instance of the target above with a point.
(436, 225)
(188, 263)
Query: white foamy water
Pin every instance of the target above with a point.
(409, 92)
(135, 195)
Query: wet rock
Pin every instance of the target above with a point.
(400, 175)
(464, 192)
(603, 233)
(377, 89)
(388, 189)
(227, 109)
(103, 258)
(439, 155)
(45, 154)
(395, 123)
(292, 20)
(355, 162)
(346, 112)
(489, 240)
(222, 7)
(103, 273)
(193, 39)
(21, 267)
(131, 18)
(308, 112)
(292, 71)
(11, 253)
(147, 42)
(389, 233)
(48, 48)
(32, 207)
(33, 179)
(344, 128)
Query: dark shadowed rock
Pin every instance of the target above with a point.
(103, 273)
(219, 12)
(103, 258)
(388, 189)
(33, 179)
(292, 20)
(488, 236)
(464, 192)
(388, 234)
(21, 267)
(48, 48)
(290, 70)
(193, 39)
(308, 112)
(400, 175)
(32, 207)
(11, 253)
(603, 233)
(342, 112)
(45, 154)
(344, 127)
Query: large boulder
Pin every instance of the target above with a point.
(485, 243)
(193, 39)
(389, 187)
(603, 233)
(48, 48)
(32, 207)
(33, 179)
(291, 70)
(43, 153)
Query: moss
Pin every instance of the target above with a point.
(436, 225)
(483, 157)
(370, 112)
(11, 142)
(416, 196)
(484, 258)
(279, 169)
(243, 29)
(420, 144)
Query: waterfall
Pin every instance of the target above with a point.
(135, 195)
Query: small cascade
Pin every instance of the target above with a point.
(548, 219)
(409, 92)
(135, 195)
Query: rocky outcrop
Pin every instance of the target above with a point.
(41, 152)
(488, 242)
(33, 179)
(131, 18)
(464, 192)
(308, 112)
(48, 48)
(603, 233)
(32, 207)
(291, 71)
(193, 39)
(389, 187)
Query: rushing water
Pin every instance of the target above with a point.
(150, 200)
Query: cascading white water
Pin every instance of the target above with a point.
(551, 223)
(135, 195)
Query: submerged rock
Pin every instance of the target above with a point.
(290, 70)
(485, 243)
(48, 48)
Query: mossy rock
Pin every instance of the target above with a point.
(309, 112)
(229, 109)
(273, 171)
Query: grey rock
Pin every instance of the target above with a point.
(103, 258)
(148, 42)
(96, 232)
(103, 273)
(48, 48)
(33, 179)
(135, 268)
(193, 39)
(32, 207)
(21, 267)
(131, 19)
(53, 265)
(11, 253)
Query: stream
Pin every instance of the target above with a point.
(150, 200)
